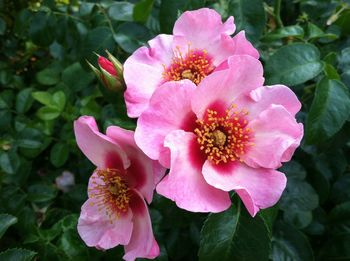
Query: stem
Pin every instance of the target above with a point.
(103, 11)
(277, 11)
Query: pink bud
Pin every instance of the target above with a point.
(107, 65)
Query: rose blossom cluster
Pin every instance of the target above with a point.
(203, 113)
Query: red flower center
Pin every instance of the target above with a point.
(195, 65)
(224, 138)
(112, 194)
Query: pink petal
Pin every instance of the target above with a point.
(107, 65)
(143, 73)
(276, 136)
(202, 24)
(96, 229)
(243, 75)
(140, 173)
(142, 243)
(185, 184)
(261, 98)
(159, 172)
(101, 150)
(258, 188)
(169, 110)
(203, 29)
(243, 46)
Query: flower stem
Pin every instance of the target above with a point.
(277, 11)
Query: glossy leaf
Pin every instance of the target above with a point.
(293, 64)
(329, 110)
(234, 235)
(6, 221)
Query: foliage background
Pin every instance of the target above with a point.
(46, 84)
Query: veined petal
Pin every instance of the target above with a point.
(140, 174)
(169, 109)
(276, 136)
(261, 98)
(101, 150)
(244, 74)
(258, 188)
(202, 24)
(185, 183)
(143, 73)
(142, 242)
(243, 46)
(97, 230)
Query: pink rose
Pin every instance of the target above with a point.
(116, 212)
(228, 133)
(200, 45)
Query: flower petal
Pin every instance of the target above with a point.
(243, 46)
(276, 136)
(244, 74)
(97, 230)
(142, 243)
(140, 174)
(211, 35)
(261, 98)
(258, 188)
(202, 24)
(185, 184)
(169, 110)
(101, 150)
(143, 73)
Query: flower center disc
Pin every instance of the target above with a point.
(195, 65)
(224, 138)
(112, 194)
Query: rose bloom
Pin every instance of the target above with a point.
(200, 45)
(116, 212)
(228, 133)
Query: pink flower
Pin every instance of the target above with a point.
(227, 133)
(200, 45)
(115, 212)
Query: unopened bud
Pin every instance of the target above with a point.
(110, 73)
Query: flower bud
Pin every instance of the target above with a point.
(110, 72)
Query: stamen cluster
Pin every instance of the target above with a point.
(224, 138)
(195, 65)
(112, 194)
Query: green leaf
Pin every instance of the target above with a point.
(48, 113)
(9, 161)
(121, 11)
(290, 244)
(17, 254)
(331, 72)
(6, 221)
(48, 76)
(234, 235)
(131, 36)
(96, 40)
(329, 111)
(59, 154)
(287, 31)
(43, 97)
(59, 99)
(249, 16)
(76, 77)
(24, 100)
(293, 64)
(339, 218)
(314, 32)
(30, 138)
(41, 192)
(142, 10)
